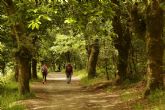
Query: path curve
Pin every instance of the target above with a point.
(56, 94)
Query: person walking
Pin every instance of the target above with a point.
(44, 71)
(69, 72)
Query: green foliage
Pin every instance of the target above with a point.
(162, 5)
(70, 20)
(138, 106)
(1, 46)
(65, 43)
(155, 101)
(9, 94)
(34, 24)
(85, 81)
(139, 56)
(128, 95)
(81, 73)
(157, 96)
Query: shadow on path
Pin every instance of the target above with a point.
(56, 94)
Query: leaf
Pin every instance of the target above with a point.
(37, 26)
(34, 25)
(70, 21)
(30, 25)
(49, 1)
(47, 18)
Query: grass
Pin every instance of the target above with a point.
(9, 94)
(138, 106)
(155, 101)
(82, 74)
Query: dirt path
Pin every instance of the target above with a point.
(56, 94)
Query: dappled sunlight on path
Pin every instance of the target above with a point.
(60, 76)
(56, 94)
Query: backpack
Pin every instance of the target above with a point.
(68, 69)
(44, 69)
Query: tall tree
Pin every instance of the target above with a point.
(122, 43)
(22, 54)
(93, 57)
(149, 24)
(155, 45)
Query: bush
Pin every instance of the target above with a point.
(80, 73)
(157, 96)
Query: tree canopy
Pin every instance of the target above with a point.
(121, 38)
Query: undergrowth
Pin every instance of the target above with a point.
(9, 94)
(155, 101)
(85, 81)
(131, 97)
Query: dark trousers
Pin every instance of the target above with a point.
(44, 76)
(69, 77)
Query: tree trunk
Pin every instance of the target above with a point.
(88, 49)
(123, 48)
(23, 54)
(16, 70)
(24, 63)
(30, 69)
(106, 69)
(68, 57)
(122, 44)
(34, 68)
(59, 67)
(155, 47)
(93, 59)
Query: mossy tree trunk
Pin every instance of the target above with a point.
(30, 69)
(93, 57)
(123, 45)
(34, 68)
(23, 53)
(155, 46)
(24, 71)
(16, 70)
(68, 56)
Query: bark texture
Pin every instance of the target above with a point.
(34, 68)
(23, 54)
(16, 71)
(93, 59)
(155, 47)
(123, 45)
(24, 76)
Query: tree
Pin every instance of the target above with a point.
(68, 46)
(149, 23)
(23, 52)
(122, 42)
(155, 45)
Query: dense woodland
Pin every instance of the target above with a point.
(117, 40)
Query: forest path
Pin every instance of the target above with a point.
(56, 94)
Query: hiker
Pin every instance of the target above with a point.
(44, 71)
(69, 72)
